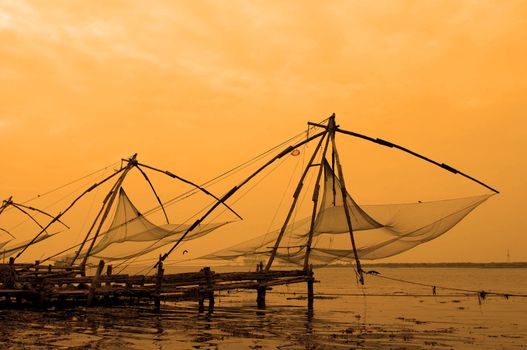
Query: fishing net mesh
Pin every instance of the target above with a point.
(130, 234)
(380, 231)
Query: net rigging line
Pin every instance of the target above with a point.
(481, 293)
(70, 183)
(219, 178)
(275, 166)
(62, 198)
(452, 295)
(228, 173)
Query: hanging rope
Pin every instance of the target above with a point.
(482, 294)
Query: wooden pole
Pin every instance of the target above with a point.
(159, 281)
(118, 184)
(415, 154)
(104, 202)
(331, 130)
(108, 284)
(310, 292)
(154, 191)
(95, 283)
(261, 288)
(12, 273)
(347, 209)
(296, 195)
(37, 267)
(210, 286)
(174, 176)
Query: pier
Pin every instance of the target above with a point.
(35, 285)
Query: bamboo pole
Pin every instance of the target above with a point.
(347, 209)
(95, 283)
(5, 204)
(296, 195)
(153, 190)
(104, 202)
(118, 184)
(331, 130)
(415, 154)
(159, 281)
(172, 175)
(310, 290)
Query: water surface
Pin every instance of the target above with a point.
(382, 315)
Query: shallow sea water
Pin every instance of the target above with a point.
(342, 317)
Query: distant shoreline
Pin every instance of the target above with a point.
(490, 265)
(366, 266)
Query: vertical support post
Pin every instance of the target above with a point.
(159, 281)
(310, 292)
(109, 274)
(346, 208)
(37, 267)
(12, 273)
(11, 280)
(108, 284)
(95, 283)
(203, 289)
(108, 201)
(261, 288)
(210, 287)
(331, 131)
(296, 195)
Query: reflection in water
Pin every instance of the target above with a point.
(236, 322)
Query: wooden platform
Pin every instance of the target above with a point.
(42, 286)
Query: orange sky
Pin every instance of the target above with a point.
(198, 87)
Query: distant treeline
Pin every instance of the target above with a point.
(490, 265)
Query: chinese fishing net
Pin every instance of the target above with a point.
(130, 234)
(380, 231)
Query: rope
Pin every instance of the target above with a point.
(480, 293)
(227, 173)
(372, 295)
(69, 183)
(204, 208)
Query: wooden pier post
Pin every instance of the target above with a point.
(206, 290)
(37, 267)
(12, 274)
(108, 284)
(201, 295)
(95, 283)
(210, 286)
(262, 287)
(310, 292)
(159, 281)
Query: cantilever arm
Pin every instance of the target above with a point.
(153, 190)
(172, 175)
(415, 154)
